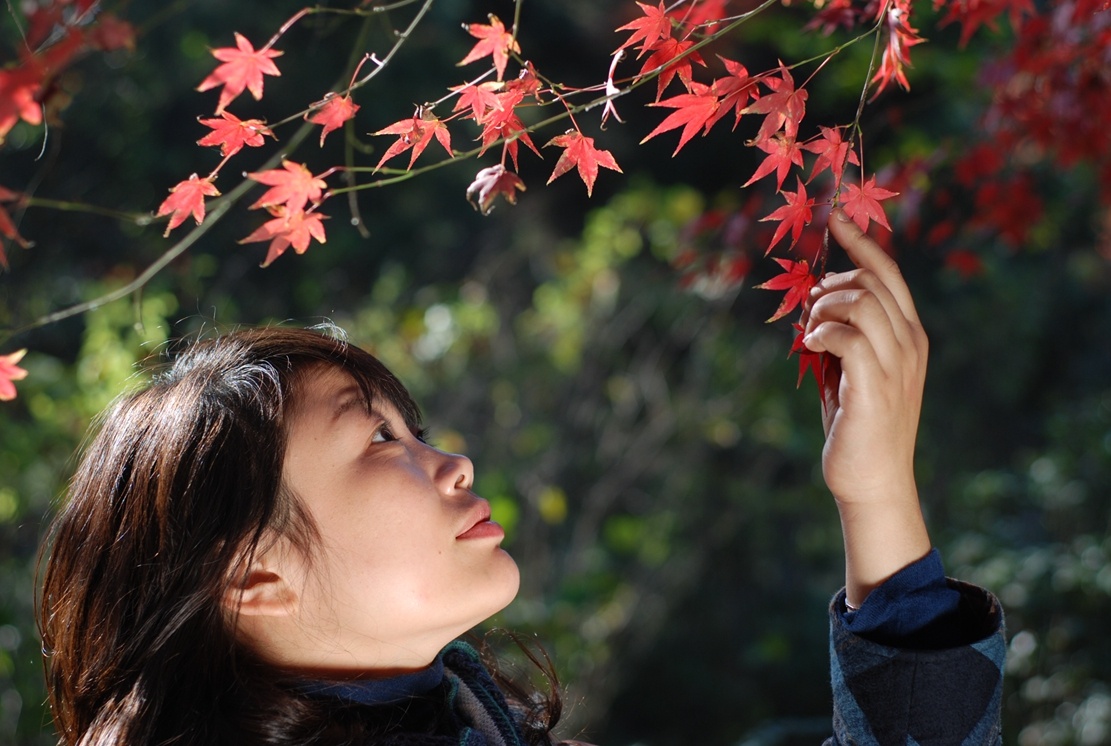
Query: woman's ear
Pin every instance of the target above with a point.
(266, 587)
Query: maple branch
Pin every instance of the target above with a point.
(402, 37)
(18, 27)
(219, 208)
(349, 136)
(867, 84)
(138, 218)
(516, 19)
(215, 213)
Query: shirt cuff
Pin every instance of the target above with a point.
(915, 608)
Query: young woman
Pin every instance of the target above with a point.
(260, 548)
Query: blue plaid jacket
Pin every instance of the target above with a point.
(890, 696)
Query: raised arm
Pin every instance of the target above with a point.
(866, 319)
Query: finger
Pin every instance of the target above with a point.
(865, 281)
(868, 254)
(863, 311)
(831, 386)
(852, 347)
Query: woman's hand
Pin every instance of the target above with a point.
(866, 320)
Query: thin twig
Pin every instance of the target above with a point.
(217, 210)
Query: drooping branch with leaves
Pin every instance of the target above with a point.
(1054, 59)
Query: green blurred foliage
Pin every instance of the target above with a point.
(643, 444)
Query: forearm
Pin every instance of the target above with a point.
(880, 540)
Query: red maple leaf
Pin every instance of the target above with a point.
(9, 372)
(186, 198)
(837, 14)
(527, 82)
(231, 133)
(832, 153)
(293, 185)
(494, 41)
(489, 183)
(333, 112)
(502, 121)
(110, 33)
(975, 13)
(735, 91)
(784, 106)
(782, 152)
(416, 132)
(243, 69)
(19, 91)
(668, 55)
(796, 280)
(655, 25)
(965, 263)
(821, 364)
(26, 89)
(862, 204)
(793, 216)
(7, 225)
(896, 55)
(580, 152)
(693, 111)
(1010, 206)
(478, 98)
(702, 13)
(288, 229)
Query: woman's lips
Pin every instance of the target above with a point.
(483, 530)
(481, 527)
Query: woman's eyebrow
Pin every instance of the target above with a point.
(349, 399)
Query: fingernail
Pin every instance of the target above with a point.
(840, 215)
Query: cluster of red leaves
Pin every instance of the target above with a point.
(292, 189)
(1054, 98)
(1052, 95)
(1049, 96)
(294, 192)
(779, 104)
(58, 34)
(494, 106)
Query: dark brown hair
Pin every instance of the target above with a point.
(170, 500)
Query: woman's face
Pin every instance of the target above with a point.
(408, 558)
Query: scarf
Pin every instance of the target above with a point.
(482, 715)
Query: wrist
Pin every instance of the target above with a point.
(881, 538)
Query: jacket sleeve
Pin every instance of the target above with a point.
(885, 695)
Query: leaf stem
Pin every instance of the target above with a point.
(857, 135)
(289, 24)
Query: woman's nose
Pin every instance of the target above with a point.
(454, 472)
